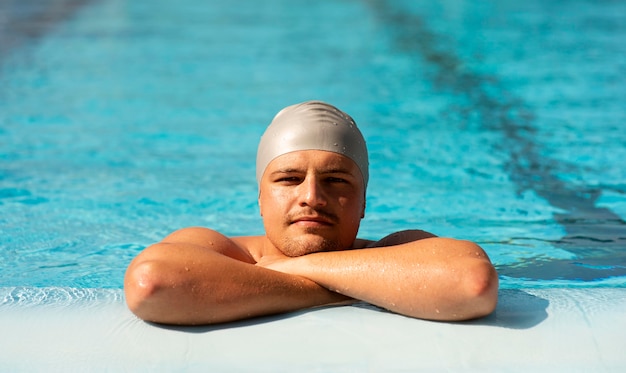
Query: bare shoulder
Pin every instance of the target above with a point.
(401, 237)
(253, 245)
(360, 243)
(210, 239)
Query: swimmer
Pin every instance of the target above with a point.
(312, 173)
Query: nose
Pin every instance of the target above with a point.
(311, 192)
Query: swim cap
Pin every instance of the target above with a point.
(312, 125)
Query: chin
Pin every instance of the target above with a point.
(308, 244)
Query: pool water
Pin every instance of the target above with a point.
(500, 122)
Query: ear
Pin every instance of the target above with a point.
(363, 211)
(260, 205)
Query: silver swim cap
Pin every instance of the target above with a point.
(312, 125)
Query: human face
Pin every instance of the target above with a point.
(311, 201)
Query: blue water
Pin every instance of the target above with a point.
(500, 122)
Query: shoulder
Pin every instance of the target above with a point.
(195, 236)
(253, 245)
(360, 243)
(209, 239)
(401, 237)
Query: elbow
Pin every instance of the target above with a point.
(481, 290)
(141, 286)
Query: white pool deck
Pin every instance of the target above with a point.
(552, 330)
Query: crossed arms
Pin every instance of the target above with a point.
(198, 276)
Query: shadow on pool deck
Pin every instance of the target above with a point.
(516, 309)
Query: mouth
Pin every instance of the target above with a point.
(316, 220)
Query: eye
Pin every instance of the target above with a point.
(288, 179)
(336, 180)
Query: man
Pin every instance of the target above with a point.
(312, 171)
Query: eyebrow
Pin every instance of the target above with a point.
(285, 171)
(322, 172)
(336, 171)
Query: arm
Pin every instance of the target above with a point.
(432, 278)
(198, 276)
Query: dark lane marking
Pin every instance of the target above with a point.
(595, 235)
(24, 21)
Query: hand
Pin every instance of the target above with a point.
(279, 262)
(289, 265)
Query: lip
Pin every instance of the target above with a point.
(312, 221)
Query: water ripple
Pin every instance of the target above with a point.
(57, 296)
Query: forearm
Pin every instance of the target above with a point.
(438, 279)
(198, 286)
